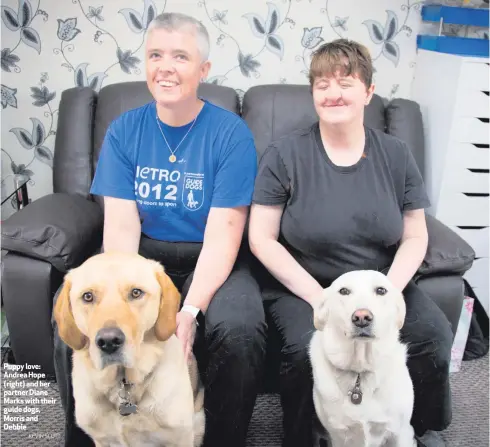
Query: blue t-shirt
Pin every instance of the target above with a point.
(216, 167)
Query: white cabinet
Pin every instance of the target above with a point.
(453, 93)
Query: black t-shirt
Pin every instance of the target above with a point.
(336, 218)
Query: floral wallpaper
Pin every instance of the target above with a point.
(50, 45)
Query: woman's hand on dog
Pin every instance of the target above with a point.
(186, 332)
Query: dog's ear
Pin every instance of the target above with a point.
(401, 310)
(67, 328)
(320, 311)
(166, 323)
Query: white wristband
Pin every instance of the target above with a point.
(191, 309)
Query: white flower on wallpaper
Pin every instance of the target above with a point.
(49, 46)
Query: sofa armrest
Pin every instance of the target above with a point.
(447, 251)
(62, 229)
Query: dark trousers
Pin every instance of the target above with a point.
(230, 351)
(426, 331)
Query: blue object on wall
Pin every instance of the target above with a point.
(455, 15)
(463, 46)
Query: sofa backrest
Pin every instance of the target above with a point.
(74, 142)
(118, 98)
(85, 116)
(271, 111)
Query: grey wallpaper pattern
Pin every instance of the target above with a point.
(49, 46)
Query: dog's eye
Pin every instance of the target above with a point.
(88, 297)
(136, 293)
(381, 291)
(344, 291)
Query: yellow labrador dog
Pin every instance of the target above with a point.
(131, 384)
(363, 393)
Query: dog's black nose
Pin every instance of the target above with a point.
(362, 318)
(110, 339)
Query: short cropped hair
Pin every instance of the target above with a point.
(344, 56)
(173, 21)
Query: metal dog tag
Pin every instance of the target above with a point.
(356, 396)
(126, 409)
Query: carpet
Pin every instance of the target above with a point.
(469, 428)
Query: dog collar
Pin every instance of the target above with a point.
(355, 393)
(126, 406)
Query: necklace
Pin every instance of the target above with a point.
(173, 158)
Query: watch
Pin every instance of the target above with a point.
(195, 312)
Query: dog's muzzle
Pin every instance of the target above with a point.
(362, 320)
(110, 340)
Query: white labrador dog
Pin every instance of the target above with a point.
(363, 393)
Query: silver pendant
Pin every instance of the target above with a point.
(127, 408)
(356, 396)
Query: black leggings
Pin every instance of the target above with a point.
(426, 331)
(230, 352)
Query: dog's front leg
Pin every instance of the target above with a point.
(404, 438)
(339, 439)
(109, 443)
(164, 436)
(321, 437)
(176, 425)
(104, 444)
(101, 425)
(178, 438)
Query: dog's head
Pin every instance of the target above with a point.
(112, 303)
(361, 304)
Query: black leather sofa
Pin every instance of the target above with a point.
(59, 231)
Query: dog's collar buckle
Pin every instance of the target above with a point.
(126, 407)
(356, 394)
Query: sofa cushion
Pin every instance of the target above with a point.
(62, 229)
(447, 251)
